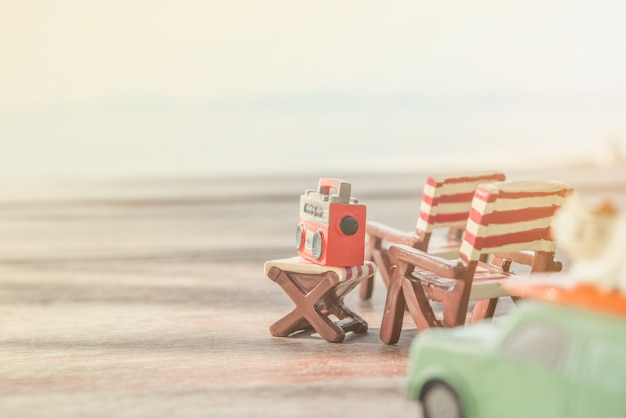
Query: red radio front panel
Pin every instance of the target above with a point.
(331, 229)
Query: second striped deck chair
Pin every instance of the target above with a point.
(444, 209)
(509, 222)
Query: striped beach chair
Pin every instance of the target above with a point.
(444, 209)
(509, 222)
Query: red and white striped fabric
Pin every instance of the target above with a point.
(512, 216)
(446, 199)
(300, 265)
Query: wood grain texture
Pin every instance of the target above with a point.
(116, 309)
(149, 299)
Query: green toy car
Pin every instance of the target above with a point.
(542, 360)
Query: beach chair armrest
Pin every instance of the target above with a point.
(389, 234)
(449, 269)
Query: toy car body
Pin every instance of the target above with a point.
(542, 360)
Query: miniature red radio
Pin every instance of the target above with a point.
(331, 230)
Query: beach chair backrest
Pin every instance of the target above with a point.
(447, 199)
(507, 217)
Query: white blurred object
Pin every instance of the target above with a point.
(595, 240)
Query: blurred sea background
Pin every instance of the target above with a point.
(126, 90)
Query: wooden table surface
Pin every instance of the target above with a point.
(146, 299)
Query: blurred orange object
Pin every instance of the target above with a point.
(585, 296)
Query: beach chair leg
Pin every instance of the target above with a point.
(395, 304)
(455, 305)
(483, 309)
(419, 306)
(366, 288)
(367, 285)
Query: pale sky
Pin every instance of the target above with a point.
(86, 86)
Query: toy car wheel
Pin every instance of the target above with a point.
(439, 400)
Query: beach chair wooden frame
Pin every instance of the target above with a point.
(510, 223)
(446, 201)
(318, 292)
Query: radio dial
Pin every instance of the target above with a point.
(349, 225)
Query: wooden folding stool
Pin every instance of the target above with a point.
(318, 292)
